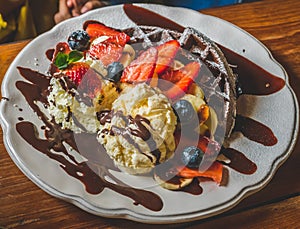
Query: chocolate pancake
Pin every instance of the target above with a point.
(216, 76)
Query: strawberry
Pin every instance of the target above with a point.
(120, 39)
(110, 50)
(76, 71)
(170, 77)
(90, 84)
(208, 145)
(185, 76)
(106, 52)
(166, 55)
(96, 29)
(142, 68)
(214, 172)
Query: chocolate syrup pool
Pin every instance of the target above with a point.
(36, 90)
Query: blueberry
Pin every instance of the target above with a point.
(184, 110)
(114, 71)
(192, 156)
(79, 40)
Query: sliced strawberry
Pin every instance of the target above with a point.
(106, 52)
(169, 78)
(208, 145)
(120, 39)
(214, 172)
(110, 50)
(186, 76)
(166, 55)
(90, 84)
(76, 71)
(142, 68)
(96, 29)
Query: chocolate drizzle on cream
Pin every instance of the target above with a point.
(136, 126)
(91, 173)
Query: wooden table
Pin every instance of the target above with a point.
(274, 22)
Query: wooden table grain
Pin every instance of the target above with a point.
(275, 23)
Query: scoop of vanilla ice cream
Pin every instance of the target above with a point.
(72, 113)
(68, 111)
(138, 132)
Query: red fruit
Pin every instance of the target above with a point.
(171, 76)
(166, 55)
(120, 39)
(185, 76)
(208, 145)
(90, 84)
(142, 68)
(76, 71)
(96, 29)
(109, 50)
(214, 172)
(106, 52)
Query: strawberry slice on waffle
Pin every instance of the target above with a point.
(142, 68)
(182, 79)
(166, 55)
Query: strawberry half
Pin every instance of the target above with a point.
(110, 50)
(96, 29)
(106, 52)
(166, 55)
(90, 84)
(185, 76)
(120, 39)
(76, 71)
(142, 68)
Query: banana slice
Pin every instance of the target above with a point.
(212, 121)
(127, 56)
(196, 91)
(196, 101)
(168, 180)
(176, 183)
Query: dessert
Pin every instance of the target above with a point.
(146, 92)
(197, 82)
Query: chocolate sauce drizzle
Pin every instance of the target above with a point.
(140, 131)
(92, 172)
(56, 136)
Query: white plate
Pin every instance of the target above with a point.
(177, 206)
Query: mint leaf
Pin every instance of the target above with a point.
(61, 60)
(74, 56)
